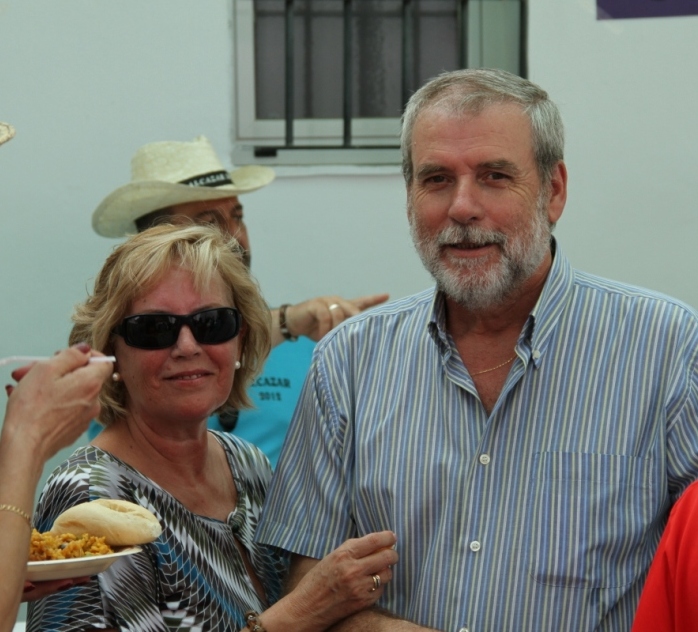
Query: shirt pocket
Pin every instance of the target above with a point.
(590, 514)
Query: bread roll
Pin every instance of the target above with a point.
(120, 522)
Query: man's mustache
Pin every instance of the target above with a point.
(470, 236)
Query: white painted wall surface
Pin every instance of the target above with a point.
(86, 82)
(627, 90)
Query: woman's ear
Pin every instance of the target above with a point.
(242, 343)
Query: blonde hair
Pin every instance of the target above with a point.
(136, 266)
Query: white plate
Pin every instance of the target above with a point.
(74, 567)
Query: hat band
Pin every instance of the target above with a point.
(212, 179)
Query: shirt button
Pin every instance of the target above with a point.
(464, 630)
(475, 546)
(536, 354)
(485, 459)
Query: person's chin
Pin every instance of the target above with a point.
(470, 268)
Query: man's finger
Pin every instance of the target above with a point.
(370, 300)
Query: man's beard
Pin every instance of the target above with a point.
(479, 284)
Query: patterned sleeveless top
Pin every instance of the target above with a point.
(192, 578)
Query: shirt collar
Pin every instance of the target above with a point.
(556, 294)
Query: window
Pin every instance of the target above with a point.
(325, 81)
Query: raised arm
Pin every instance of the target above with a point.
(48, 410)
(316, 316)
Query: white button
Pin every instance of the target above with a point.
(485, 459)
(536, 354)
(475, 546)
(464, 630)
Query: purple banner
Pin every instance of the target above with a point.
(610, 9)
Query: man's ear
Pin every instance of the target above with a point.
(557, 192)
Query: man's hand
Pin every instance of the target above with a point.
(316, 316)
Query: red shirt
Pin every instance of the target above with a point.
(669, 600)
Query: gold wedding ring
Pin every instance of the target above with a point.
(376, 583)
(334, 306)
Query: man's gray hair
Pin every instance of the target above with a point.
(470, 92)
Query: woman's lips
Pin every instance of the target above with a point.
(188, 375)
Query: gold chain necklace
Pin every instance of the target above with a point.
(494, 368)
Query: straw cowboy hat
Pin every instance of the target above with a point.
(168, 173)
(6, 132)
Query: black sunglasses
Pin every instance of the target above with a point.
(159, 331)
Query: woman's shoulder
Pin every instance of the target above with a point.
(246, 459)
(75, 468)
(88, 473)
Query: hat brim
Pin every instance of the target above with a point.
(6, 132)
(117, 213)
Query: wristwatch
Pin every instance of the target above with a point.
(283, 325)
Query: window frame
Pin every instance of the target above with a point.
(374, 141)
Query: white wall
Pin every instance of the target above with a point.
(86, 82)
(628, 92)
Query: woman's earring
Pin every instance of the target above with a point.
(116, 376)
(237, 364)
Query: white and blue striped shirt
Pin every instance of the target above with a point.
(543, 515)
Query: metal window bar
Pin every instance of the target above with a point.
(289, 72)
(523, 38)
(407, 47)
(407, 62)
(462, 17)
(347, 72)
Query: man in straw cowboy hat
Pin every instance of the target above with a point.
(47, 411)
(173, 179)
(170, 179)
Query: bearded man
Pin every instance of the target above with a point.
(524, 427)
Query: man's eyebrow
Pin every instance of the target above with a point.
(501, 165)
(428, 169)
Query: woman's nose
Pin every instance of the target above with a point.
(186, 343)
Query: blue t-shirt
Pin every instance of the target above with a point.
(275, 394)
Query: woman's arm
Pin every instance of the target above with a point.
(366, 620)
(49, 410)
(335, 587)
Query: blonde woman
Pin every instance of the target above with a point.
(190, 330)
